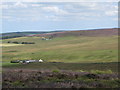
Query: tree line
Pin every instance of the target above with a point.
(16, 42)
(8, 37)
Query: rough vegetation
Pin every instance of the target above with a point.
(58, 79)
(113, 66)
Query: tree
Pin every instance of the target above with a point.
(9, 42)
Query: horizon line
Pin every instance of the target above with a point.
(60, 30)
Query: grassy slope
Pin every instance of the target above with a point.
(76, 52)
(65, 49)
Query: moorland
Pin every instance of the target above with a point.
(91, 56)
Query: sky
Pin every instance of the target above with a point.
(51, 16)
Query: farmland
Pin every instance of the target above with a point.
(65, 52)
(65, 49)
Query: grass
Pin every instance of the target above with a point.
(64, 49)
(101, 72)
(92, 67)
(75, 53)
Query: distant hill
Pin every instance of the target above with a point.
(61, 33)
(97, 32)
(21, 34)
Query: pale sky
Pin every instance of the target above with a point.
(49, 16)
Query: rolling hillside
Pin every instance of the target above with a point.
(96, 32)
(92, 50)
(101, 47)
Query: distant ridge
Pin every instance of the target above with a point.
(22, 34)
(95, 32)
(62, 33)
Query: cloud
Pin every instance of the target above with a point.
(61, 0)
(11, 5)
(111, 13)
(55, 10)
(36, 5)
(6, 17)
(112, 10)
(88, 5)
(93, 9)
(59, 11)
(4, 6)
(20, 4)
(116, 19)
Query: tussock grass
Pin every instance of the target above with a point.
(63, 79)
(101, 72)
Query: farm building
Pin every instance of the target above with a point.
(43, 38)
(26, 61)
(40, 60)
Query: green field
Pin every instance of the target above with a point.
(64, 49)
(68, 50)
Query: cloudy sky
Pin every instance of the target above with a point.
(48, 16)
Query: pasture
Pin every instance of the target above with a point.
(63, 49)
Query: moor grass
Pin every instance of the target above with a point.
(69, 62)
(58, 79)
